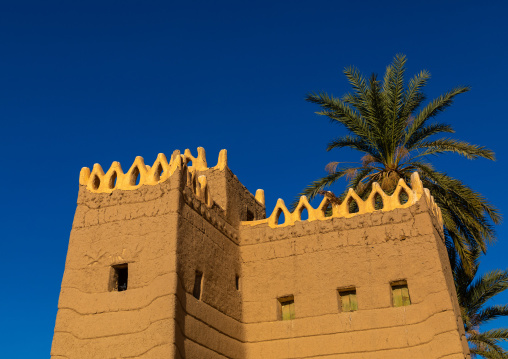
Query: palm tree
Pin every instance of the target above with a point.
(388, 123)
(473, 295)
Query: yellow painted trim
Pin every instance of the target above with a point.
(415, 192)
(99, 182)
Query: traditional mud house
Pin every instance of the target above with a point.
(178, 260)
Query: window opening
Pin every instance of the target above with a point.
(378, 202)
(400, 294)
(250, 215)
(120, 274)
(403, 197)
(353, 206)
(304, 214)
(96, 182)
(198, 282)
(348, 301)
(158, 172)
(112, 181)
(281, 219)
(138, 177)
(287, 308)
(237, 282)
(328, 210)
(135, 177)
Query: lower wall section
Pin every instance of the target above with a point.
(138, 323)
(421, 340)
(154, 342)
(424, 351)
(204, 332)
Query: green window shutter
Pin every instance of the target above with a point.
(405, 296)
(345, 303)
(400, 295)
(348, 300)
(397, 297)
(353, 303)
(292, 310)
(287, 310)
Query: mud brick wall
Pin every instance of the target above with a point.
(134, 227)
(312, 260)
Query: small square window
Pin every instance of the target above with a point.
(119, 277)
(400, 294)
(287, 308)
(348, 301)
(198, 283)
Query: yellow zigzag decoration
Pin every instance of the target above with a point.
(99, 182)
(389, 203)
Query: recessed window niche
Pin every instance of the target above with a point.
(400, 294)
(347, 300)
(198, 285)
(119, 277)
(287, 308)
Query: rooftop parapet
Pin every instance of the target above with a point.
(414, 194)
(99, 182)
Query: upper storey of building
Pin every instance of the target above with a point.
(218, 187)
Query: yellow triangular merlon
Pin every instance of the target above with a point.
(280, 208)
(161, 170)
(403, 197)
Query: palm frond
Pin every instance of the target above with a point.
(413, 97)
(485, 341)
(338, 111)
(396, 122)
(490, 313)
(485, 287)
(435, 107)
(352, 142)
(475, 202)
(497, 334)
(450, 145)
(358, 98)
(488, 353)
(426, 131)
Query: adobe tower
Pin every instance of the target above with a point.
(178, 260)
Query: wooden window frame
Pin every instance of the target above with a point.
(349, 293)
(402, 286)
(286, 308)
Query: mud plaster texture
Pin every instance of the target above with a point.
(169, 231)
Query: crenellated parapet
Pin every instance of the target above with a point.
(403, 197)
(140, 174)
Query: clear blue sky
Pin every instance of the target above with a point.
(99, 81)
